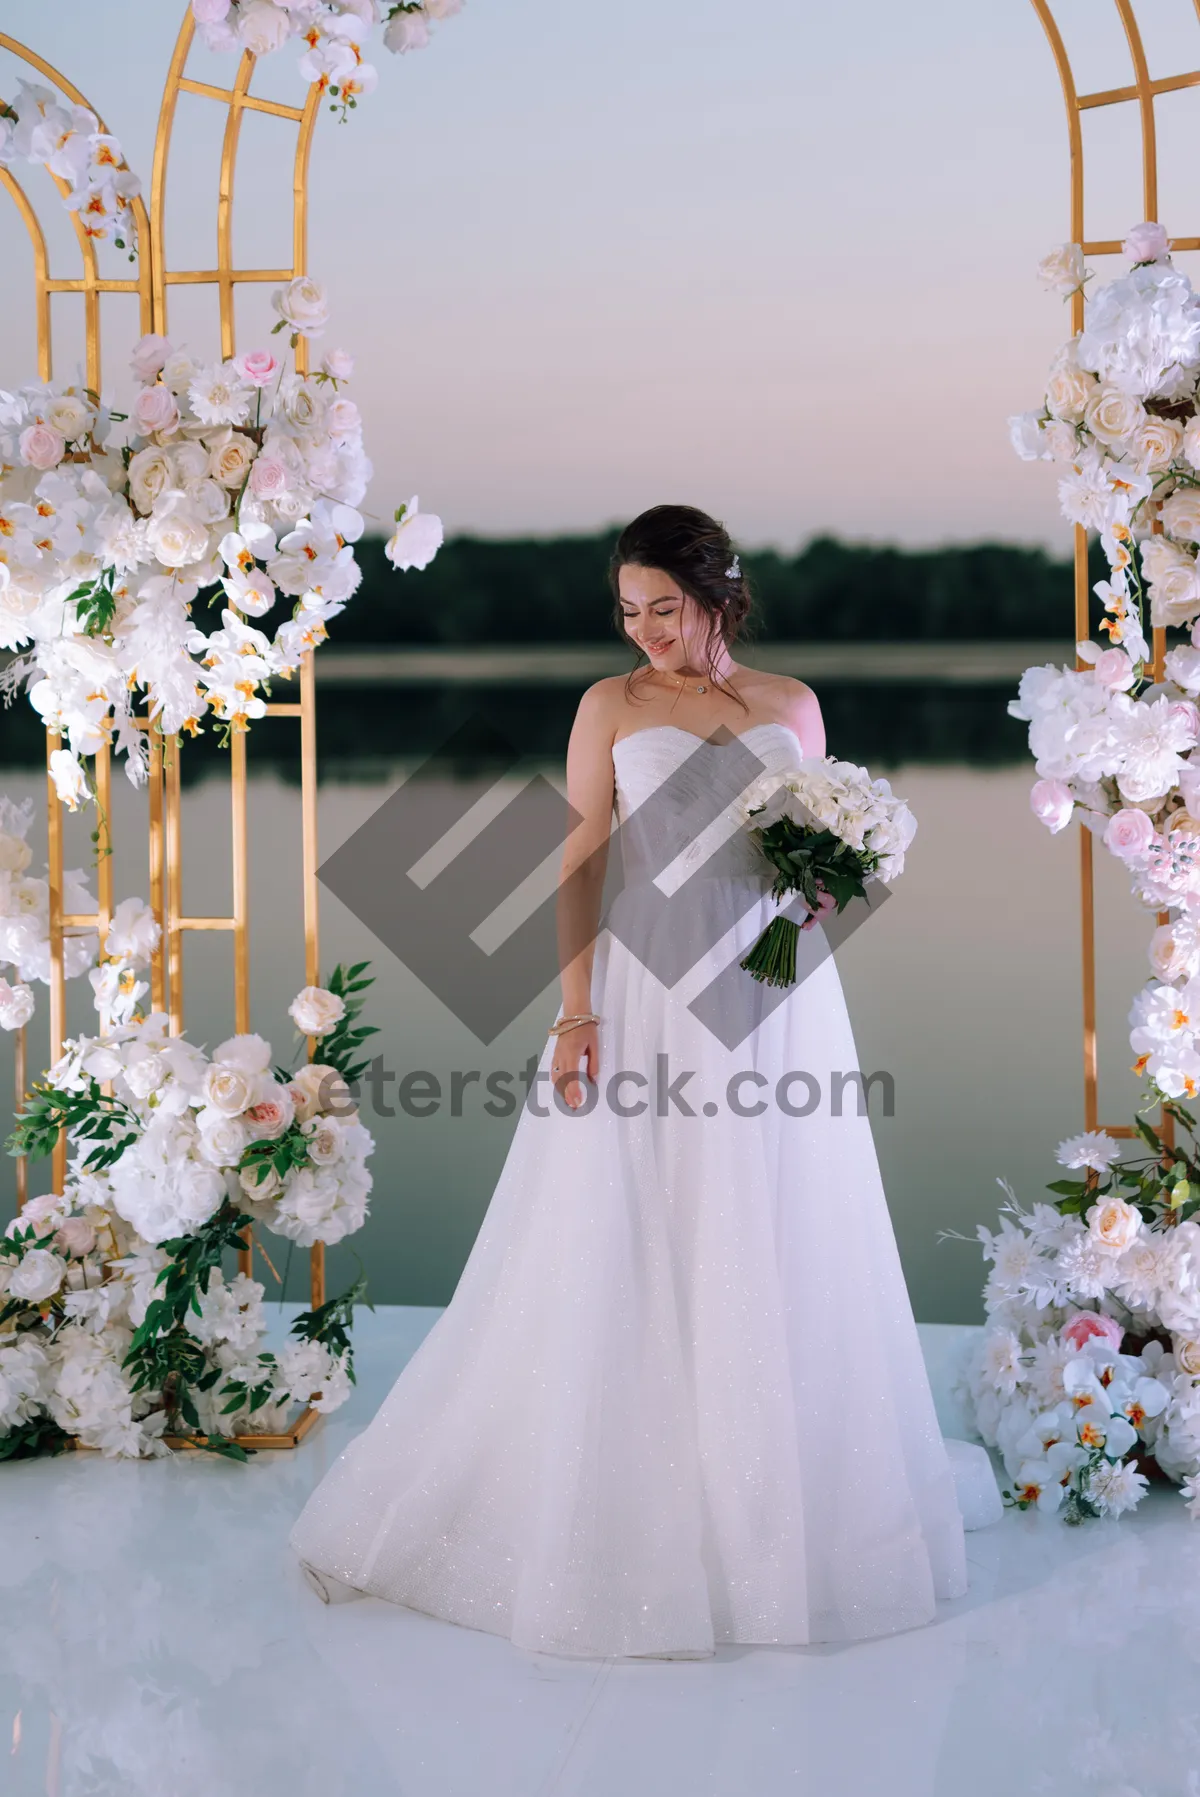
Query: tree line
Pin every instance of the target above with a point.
(555, 590)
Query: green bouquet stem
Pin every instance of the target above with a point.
(772, 960)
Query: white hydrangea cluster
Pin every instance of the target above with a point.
(241, 474)
(40, 126)
(1089, 1367)
(333, 33)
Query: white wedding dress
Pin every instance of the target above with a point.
(678, 1397)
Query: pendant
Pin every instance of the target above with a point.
(701, 689)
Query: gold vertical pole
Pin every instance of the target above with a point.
(58, 982)
(20, 1077)
(174, 869)
(104, 866)
(158, 904)
(241, 918)
(312, 946)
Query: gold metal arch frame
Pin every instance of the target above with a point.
(153, 284)
(1140, 94)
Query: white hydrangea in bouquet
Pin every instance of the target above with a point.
(333, 35)
(118, 1325)
(1087, 1378)
(235, 479)
(825, 827)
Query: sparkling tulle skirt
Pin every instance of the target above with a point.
(678, 1397)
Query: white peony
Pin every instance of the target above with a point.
(176, 533)
(133, 933)
(16, 1005)
(416, 539)
(37, 1276)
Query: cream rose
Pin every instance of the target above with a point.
(222, 1139)
(15, 854)
(70, 416)
(262, 27)
(1112, 414)
(176, 533)
(317, 1087)
(1068, 391)
(316, 1011)
(1062, 270)
(1189, 448)
(1174, 582)
(1181, 515)
(1113, 1224)
(324, 1143)
(229, 462)
(1172, 957)
(150, 476)
(1154, 445)
(229, 1090)
(303, 304)
(1186, 1350)
(37, 1277)
(269, 1186)
(303, 408)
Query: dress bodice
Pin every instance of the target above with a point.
(677, 799)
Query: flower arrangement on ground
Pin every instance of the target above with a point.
(826, 828)
(239, 476)
(118, 1325)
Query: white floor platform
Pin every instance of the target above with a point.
(158, 1641)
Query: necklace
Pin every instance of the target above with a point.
(683, 685)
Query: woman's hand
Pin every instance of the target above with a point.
(825, 904)
(573, 1047)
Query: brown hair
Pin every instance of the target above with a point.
(698, 553)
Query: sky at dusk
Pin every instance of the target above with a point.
(776, 260)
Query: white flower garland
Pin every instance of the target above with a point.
(39, 126)
(241, 475)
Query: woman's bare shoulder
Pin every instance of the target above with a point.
(601, 705)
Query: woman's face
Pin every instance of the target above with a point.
(665, 622)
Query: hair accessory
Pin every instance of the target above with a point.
(734, 570)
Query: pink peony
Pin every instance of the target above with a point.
(257, 366)
(154, 409)
(1052, 804)
(1129, 835)
(1146, 243)
(75, 1238)
(1184, 712)
(1113, 668)
(149, 356)
(42, 446)
(1087, 1323)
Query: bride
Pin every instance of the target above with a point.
(678, 1397)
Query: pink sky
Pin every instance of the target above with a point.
(775, 260)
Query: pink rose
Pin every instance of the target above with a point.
(149, 356)
(1113, 668)
(257, 366)
(42, 446)
(1052, 804)
(154, 409)
(1129, 835)
(75, 1238)
(1184, 712)
(1087, 1323)
(338, 364)
(269, 477)
(271, 1115)
(1146, 243)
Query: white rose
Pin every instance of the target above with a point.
(316, 1011)
(69, 415)
(178, 372)
(1186, 1350)
(1063, 269)
(176, 533)
(269, 1186)
(303, 304)
(222, 1139)
(1025, 435)
(1190, 446)
(1068, 391)
(209, 501)
(303, 407)
(150, 475)
(324, 1143)
(229, 462)
(317, 1087)
(190, 462)
(15, 852)
(1113, 1224)
(38, 1276)
(262, 27)
(1154, 445)
(1112, 414)
(16, 1005)
(1181, 515)
(1174, 581)
(146, 1074)
(228, 1089)
(406, 31)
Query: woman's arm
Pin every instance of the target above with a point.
(804, 717)
(581, 878)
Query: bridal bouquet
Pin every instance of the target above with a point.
(826, 828)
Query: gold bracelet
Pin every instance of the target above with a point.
(572, 1023)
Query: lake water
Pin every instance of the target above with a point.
(965, 987)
